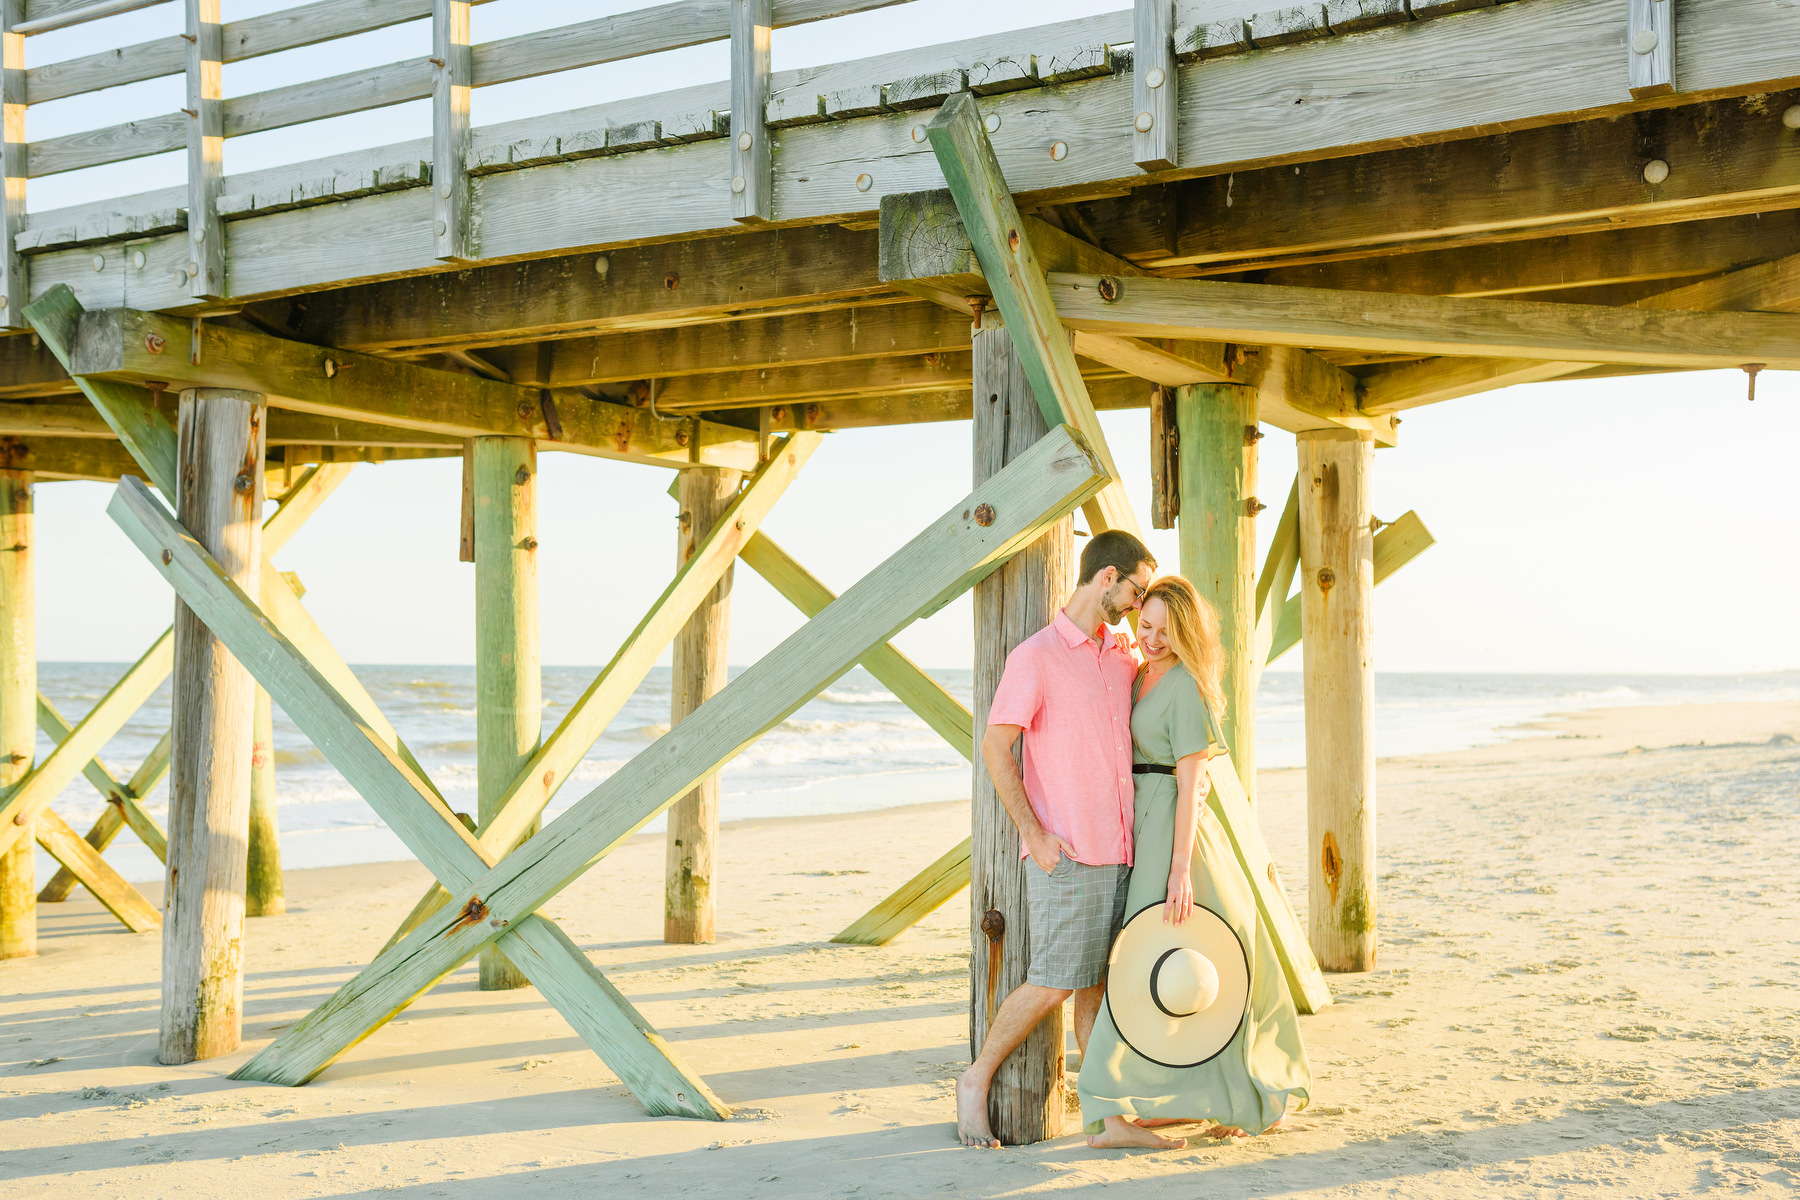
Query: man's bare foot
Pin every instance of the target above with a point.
(1121, 1134)
(971, 1114)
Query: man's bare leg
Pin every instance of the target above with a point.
(1122, 1133)
(1016, 1017)
(1087, 1010)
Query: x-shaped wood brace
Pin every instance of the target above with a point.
(495, 894)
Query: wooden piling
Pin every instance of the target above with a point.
(18, 707)
(1337, 578)
(1218, 437)
(264, 895)
(698, 671)
(219, 501)
(508, 687)
(1026, 1101)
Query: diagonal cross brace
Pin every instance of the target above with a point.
(588, 718)
(1002, 516)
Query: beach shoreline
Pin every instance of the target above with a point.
(1586, 986)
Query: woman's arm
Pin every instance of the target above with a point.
(1190, 785)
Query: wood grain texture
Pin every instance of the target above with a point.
(205, 110)
(509, 690)
(124, 805)
(1217, 536)
(697, 672)
(953, 552)
(1025, 1100)
(1337, 577)
(752, 151)
(452, 79)
(1395, 545)
(913, 900)
(1154, 85)
(14, 167)
(409, 806)
(1497, 328)
(588, 717)
(219, 496)
(18, 706)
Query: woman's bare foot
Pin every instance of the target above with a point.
(1226, 1131)
(1121, 1134)
(971, 1114)
(1158, 1122)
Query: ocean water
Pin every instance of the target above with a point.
(853, 747)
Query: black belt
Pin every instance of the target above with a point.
(1151, 769)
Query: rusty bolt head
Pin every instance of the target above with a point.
(1012, 240)
(529, 543)
(1252, 506)
(778, 413)
(167, 558)
(525, 411)
(1109, 288)
(671, 281)
(1253, 435)
(993, 923)
(984, 515)
(681, 437)
(241, 483)
(153, 343)
(812, 413)
(522, 476)
(1327, 577)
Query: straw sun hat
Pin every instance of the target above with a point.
(1178, 992)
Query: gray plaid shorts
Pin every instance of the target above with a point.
(1074, 913)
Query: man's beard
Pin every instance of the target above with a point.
(1109, 606)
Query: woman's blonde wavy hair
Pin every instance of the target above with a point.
(1193, 636)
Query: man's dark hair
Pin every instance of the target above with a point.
(1114, 548)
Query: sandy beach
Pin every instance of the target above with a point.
(1588, 985)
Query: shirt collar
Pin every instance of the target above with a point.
(1072, 635)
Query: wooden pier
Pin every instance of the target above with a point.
(1298, 222)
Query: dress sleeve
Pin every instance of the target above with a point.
(1189, 729)
(1019, 697)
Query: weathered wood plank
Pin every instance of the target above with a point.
(1003, 247)
(106, 885)
(925, 696)
(123, 344)
(18, 688)
(109, 714)
(1426, 324)
(752, 152)
(1155, 85)
(205, 111)
(14, 167)
(940, 563)
(453, 77)
(912, 901)
(1397, 544)
(540, 779)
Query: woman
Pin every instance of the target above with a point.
(1181, 858)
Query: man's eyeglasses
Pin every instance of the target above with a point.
(1132, 584)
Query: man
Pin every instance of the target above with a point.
(1067, 691)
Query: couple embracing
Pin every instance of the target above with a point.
(1130, 870)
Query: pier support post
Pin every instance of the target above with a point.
(264, 895)
(1337, 580)
(701, 652)
(18, 707)
(508, 689)
(1025, 1103)
(1218, 436)
(219, 499)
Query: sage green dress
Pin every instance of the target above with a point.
(1249, 1083)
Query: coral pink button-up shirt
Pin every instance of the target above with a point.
(1072, 696)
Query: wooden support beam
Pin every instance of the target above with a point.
(1726, 157)
(752, 158)
(452, 79)
(913, 900)
(265, 894)
(1218, 430)
(893, 375)
(927, 698)
(942, 562)
(1155, 85)
(697, 673)
(1025, 1103)
(18, 702)
(878, 330)
(1425, 324)
(1336, 579)
(589, 716)
(1397, 544)
(1002, 246)
(509, 707)
(14, 153)
(763, 271)
(83, 862)
(124, 801)
(219, 499)
(205, 112)
(127, 345)
(33, 793)
(68, 458)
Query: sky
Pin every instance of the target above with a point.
(1617, 526)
